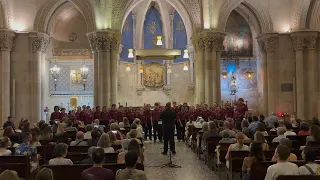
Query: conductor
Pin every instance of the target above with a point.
(168, 117)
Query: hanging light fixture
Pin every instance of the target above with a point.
(159, 40)
(169, 69)
(185, 66)
(55, 72)
(84, 75)
(186, 54)
(128, 69)
(249, 72)
(224, 70)
(141, 69)
(130, 55)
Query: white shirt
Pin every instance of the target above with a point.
(87, 135)
(108, 150)
(304, 171)
(281, 168)
(60, 161)
(277, 139)
(6, 153)
(289, 133)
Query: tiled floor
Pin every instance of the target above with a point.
(192, 167)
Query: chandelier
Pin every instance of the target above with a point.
(84, 75)
(55, 72)
(224, 70)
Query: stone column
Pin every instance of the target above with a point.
(6, 43)
(191, 64)
(40, 42)
(264, 76)
(270, 41)
(44, 85)
(115, 38)
(93, 45)
(307, 88)
(198, 45)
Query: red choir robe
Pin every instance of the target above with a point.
(120, 116)
(142, 118)
(130, 115)
(55, 115)
(87, 118)
(104, 116)
(242, 109)
(147, 116)
(155, 114)
(206, 113)
(113, 114)
(97, 115)
(82, 115)
(73, 118)
(78, 114)
(63, 114)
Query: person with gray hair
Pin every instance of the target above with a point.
(60, 151)
(121, 155)
(280, 132)
(287, 142)
(89, 159)
(212, 132)
(79, 140)
(226, 126)
(271, 120)
(105, 144)
(89, 129)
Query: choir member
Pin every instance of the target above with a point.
(130, 114)
(120, 114)
(78, 113)
(97, 113)
(84, 109)
(113, 113)
(56, 114)
(157, 128)
(205, 113)
(63, 113)
(148, 127)
(241, 108)
(73, 117)
(182, 118)
(104, 117)
(87, 116)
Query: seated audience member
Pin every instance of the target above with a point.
(79, 140)
(283, 167)
(125, 145)
(246, 133)
(314, 134)
(126, 123)
(315, 121)
(255, 155)
(139, 126)
(304, 129)
(70, 126)
(35, 140)
(262, 128)
(289, 131)
(135, 147)
(60, 130)
(93, 141)
(139, 131)
(46, 133)
(133, 135)
(311, 167)
(249, 120)
(26, 127)
(9, 175)
(273, 118)
(226, 129)
(226, 138)
(8, 123)
(44, 174)
(89, 129)
(90, 152)
(280, 132)
(275, 128)
(244, 124)
(97, 170)
(113, 139)
(238, 146)
(121, 125)
(9, 132)
(60, 151)
(259, 138)
(4, 144)
(130, 172)
(288, 143)
(104, 143)
(212, 132)
(253, 126)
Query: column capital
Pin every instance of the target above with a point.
(304, 39)
(268, 41)
(208, 41)
(6, 39)
(40, 41)
(108, 40)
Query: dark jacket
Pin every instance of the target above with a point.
(168, 117)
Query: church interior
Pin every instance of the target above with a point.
(230, 68)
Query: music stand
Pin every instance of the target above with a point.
(170, 164)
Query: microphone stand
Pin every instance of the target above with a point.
(170, 164)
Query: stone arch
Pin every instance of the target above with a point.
(299, 19)
(5, 21)
(45, 13)
(259, 11)
(313, 14)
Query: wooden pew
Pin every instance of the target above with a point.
(79, 149)
(270, 137)
(223, 148)
(211, 145)
(20, 164)
(273, 145)
(298, 141)
(78, 157)
(300, 177)
(314, 144)
(235, 163)
(46, 153)
(73, 172)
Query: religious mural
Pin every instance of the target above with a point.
(239, 38)
(153, 75)
(236, 79)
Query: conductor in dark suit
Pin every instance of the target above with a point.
(168, 117)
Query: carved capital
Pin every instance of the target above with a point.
(6, 40)
(262, 45)
(268, 42)
(40, 41)
(304, 39)
(208, 41)
(105, 40)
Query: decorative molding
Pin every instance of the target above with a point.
(40, 41)
(208, 41)
(118, 12)
(304, 39)
(6, 40)
(6, 14)
(268, 42)
(299, 18)
(194, 10)
(105, 40)
(72, 52)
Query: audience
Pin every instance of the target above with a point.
(89, 129)
(289, 130)
(46, 133)
(9, 132)
(93, 141)
(60, 130)
(256, 155)
(288, 143)
(226, 138)
(262, 128)
(45, 174)
(113, 139)
(124, 150)
(97, 170)
(212, 132)
(133, 135)
(105, 144)
(246, 134)
(60, 151)
(8, 123)
(253, 126)
(314, 134)
(130, 172)
(90, 152)
(238, 146)
(135, 147)
(304, 129)
(280, 132)
(226, 129)
(283, 167)
(4, 144)
(35, 140)
(259, 138)
(311, 167)
(79, 140)
(9, 175)
(271, 120)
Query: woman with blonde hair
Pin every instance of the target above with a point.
(238, 146)
(4, 144)
(45, 174)
(9, 175)
(105, 144)
(60, 130)
(113, 139)
(259, 138)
